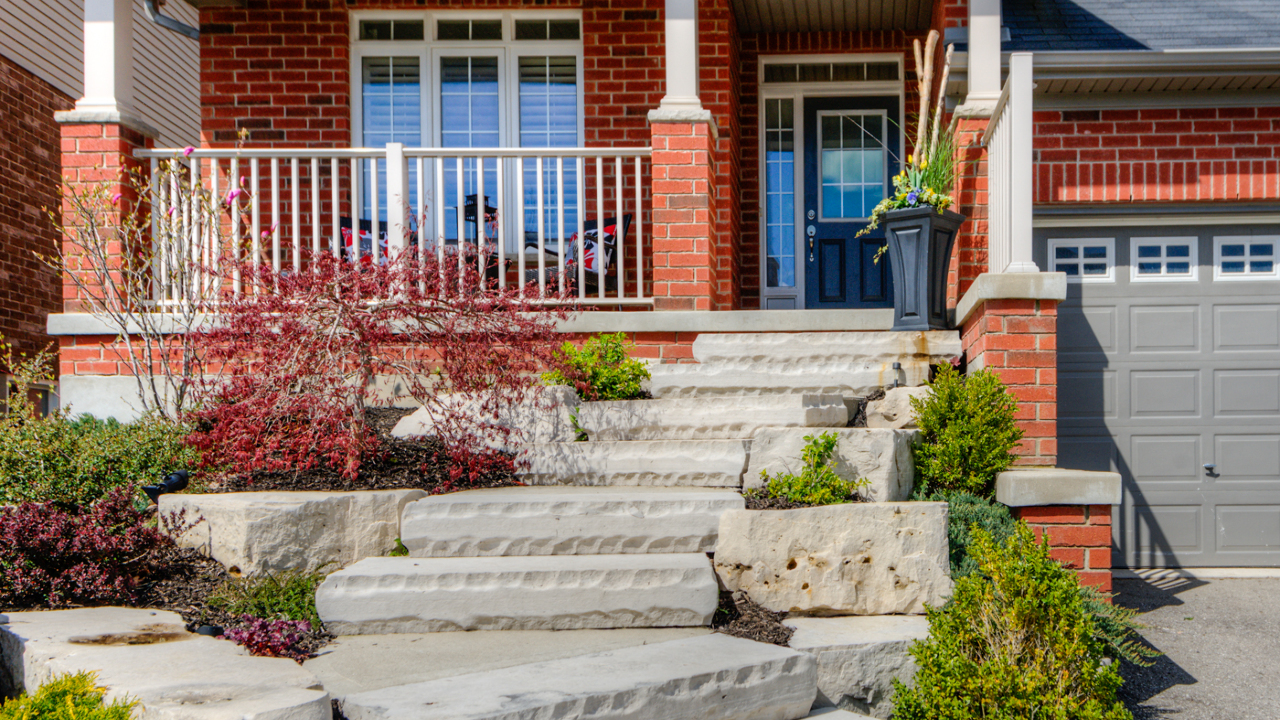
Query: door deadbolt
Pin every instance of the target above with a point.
(812, 214)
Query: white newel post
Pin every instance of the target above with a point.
(1021, 181)
(397, 199)
(108, 57)
(682, 56)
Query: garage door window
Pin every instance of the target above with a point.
(1163, 259)
(1245, 258)
(1084, 259)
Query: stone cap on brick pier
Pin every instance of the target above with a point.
(1057, 486)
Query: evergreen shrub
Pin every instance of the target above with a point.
(601, 369)
(967, 432)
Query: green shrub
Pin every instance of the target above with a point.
(817, 483)
(1016, 642)
(288, 596)
(967, 432)
(600, 370)
(74, 462)
(966, 512)
(67, 697)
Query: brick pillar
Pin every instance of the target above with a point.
(96, 157)
(684, 215)
(970, 257)
(1017, 339)
(1079, 537)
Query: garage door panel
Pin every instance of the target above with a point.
(1164, 393)
(1253, 528)
(1154, 328)
(1247, 392)
(1157, 378)
(1164, 458)
(1087, 453)
(1086, 394)
(1243, 328)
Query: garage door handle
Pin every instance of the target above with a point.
(1209, 468)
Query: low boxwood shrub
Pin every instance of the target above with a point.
(818, 483)
(99, 554)
(600, 370)
(76, 461)
(1015, 642)
(286, 596)
(67, 697)
(967, 432)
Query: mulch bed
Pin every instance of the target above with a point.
(740, 616)
(763, 502)
(415, 463)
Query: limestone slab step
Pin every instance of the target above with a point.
(149, 656)
(830, 713)
(557, 592)
(715, 677)
(670, 463)
(708, 418)
(881, 456)
(566, 521)
(826, 347)
(853, 379)
(859, 657)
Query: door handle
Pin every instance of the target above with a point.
(811, 231)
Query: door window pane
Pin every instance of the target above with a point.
(469, 119)
(549, 118)
(779, 172)
(852, 161)
(392, 112)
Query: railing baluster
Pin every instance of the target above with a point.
(255, 218)
(213, 229)
(275, 214)
(375, 194)
(617, 204)
(177, 249)
(542, 240)
(439, 190)
(420, 212)
(560, 220)
(315, 209)
(295, 199)
(522, 278)
(482, 229)
(502, 235)
(234, 184)
(335, 211)
(581, 204)
(462, 228)
(639, 225)
(600, 226)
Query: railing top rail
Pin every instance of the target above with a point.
(1019, 63)
(346, 153)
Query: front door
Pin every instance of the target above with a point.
(851, 152)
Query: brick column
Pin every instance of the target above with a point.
(96, 159)
(1079, 537)
(1017, 339)
(684, 214)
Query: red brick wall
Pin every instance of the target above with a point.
(29, 171)
(1158, 155)
(687, 239)
(1018, 340)
(969, 259)
(1079, 537)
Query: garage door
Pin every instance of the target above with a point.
(1169, 373)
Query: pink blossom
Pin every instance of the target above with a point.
(232, 196)
(172, 210)
(116, 198)
(186, 152)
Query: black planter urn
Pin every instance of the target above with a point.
(920, 242)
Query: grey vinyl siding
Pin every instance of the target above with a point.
(46, 37)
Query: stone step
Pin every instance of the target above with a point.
(857, 379)
(566, 521)
(830, 713)
(714, 677)
(708, 419)
(557, 592)
(669, 463)
(859, 658)
(816, 348)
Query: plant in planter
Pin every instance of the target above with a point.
(920, 228)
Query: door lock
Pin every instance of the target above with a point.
(811, 231)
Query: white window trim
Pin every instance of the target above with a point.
(884, 165)
(797, 92)
(1247, 275)
(1110, 260)
(1164, 242)
(429, 51)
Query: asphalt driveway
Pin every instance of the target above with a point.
(1221, 640)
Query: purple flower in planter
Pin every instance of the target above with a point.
(912, 197)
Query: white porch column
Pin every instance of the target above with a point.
(682, 57)
(984, 57)
(108, 57)
(1022, 168)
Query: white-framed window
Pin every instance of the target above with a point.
(1163, 259)
(476, 80)
(1245, 257)
(852, 163)
(1083, 259)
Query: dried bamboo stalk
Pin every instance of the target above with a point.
(942, 93)
(925, 73)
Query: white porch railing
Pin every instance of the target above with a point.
(533, 215)
(1010, 181)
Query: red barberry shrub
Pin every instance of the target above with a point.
(54, 557)
(304, 354)
(270, 638)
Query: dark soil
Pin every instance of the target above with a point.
(740, 616)
(402, 463)
(763, 502)
(859, 418)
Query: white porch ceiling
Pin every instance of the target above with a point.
(764, 16)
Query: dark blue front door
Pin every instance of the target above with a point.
(851, 152)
